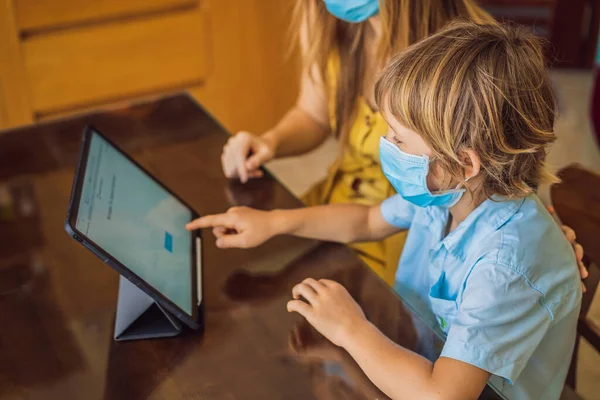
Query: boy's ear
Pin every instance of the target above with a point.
(472, 163)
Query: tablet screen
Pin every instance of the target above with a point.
(137, 222)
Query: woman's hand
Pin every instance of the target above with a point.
(577, 248)
(243, 155)
(329, 308)
(241, 227)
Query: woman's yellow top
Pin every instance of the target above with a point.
(356, 177)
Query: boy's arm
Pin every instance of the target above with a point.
(403, 374)
(499, 324)
(245, 227)
(345, 223)
(398, 372)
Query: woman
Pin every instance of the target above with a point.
(344, 44)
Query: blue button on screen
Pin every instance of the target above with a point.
(169, 242)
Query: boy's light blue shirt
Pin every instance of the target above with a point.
(503, 287)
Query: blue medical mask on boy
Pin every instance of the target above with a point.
(408, 175)
(352, 10)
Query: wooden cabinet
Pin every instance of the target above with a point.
(36, 15)
(15, 108)
(71, 56)
(98, 64)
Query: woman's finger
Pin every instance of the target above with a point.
(257, 173)
(583, 270)
(228, 170)
(239, 154)
(230, 155)
(578, 251)
(233, 155)
(569, 233)
(257, 159)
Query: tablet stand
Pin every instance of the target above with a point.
(140, 317)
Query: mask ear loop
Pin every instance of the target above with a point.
(458, 186)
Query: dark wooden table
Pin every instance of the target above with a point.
(57, 301)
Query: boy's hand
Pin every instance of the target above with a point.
(241, 227)
(329, 308)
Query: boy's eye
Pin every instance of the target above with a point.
(396, 140)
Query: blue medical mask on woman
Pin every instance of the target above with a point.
(408, 175)
(352, 10)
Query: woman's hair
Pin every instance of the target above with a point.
(479, 87)
(404, 22)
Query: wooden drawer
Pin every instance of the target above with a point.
(35, 15)
(82, 67)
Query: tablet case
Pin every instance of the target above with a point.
(140, 317)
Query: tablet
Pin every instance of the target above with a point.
(125, 216)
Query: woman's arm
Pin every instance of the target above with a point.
(306, 125)
(303, 128)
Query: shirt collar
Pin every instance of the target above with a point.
(488, 217)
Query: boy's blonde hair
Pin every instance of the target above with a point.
(482, 87)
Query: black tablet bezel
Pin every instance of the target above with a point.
(193, 320)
